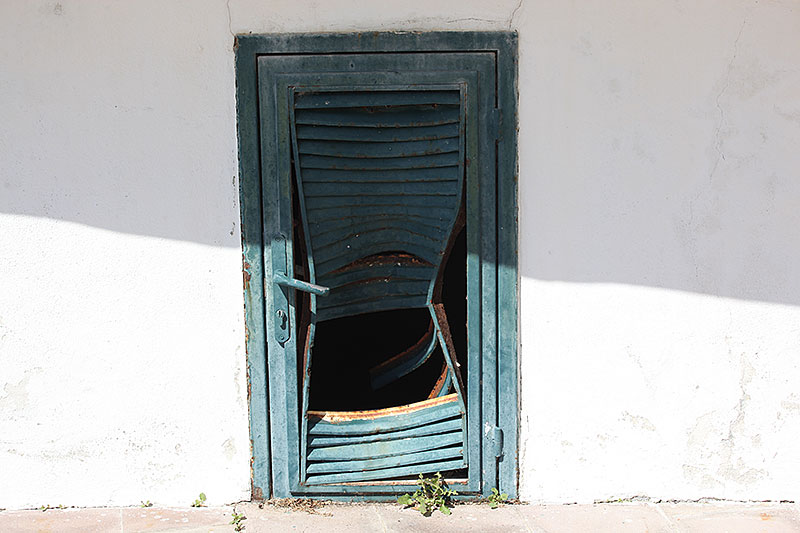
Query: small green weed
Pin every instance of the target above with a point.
(146, 503)
(238, 518)
(432, 494)
(201, 501)
(44, 508)
(496, 499)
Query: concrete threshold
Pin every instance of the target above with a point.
(349, 518)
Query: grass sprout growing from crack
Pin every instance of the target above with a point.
(432, 494)
(238, 518)
(496, 499)
(200, 501)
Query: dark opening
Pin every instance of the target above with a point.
(346, 348)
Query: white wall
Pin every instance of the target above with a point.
(122, 361)
(660, 317)
(660, 184)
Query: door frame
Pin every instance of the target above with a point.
(502, 287)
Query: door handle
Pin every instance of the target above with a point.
(282, 279)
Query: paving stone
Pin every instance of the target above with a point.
(188, 520)
(332, 518)
(62, 521)
(464, 519)
(618, 517)
(733, 517)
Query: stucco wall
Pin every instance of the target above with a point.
(660, 181)
(660, 306)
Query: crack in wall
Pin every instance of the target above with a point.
(641, 498)
(727, 83)
(230, 22)
(514, 14)
(471, 19)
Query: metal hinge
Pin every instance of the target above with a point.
(497, 442)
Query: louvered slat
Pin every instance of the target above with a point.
(423, 437)
(436, 204)
(337, 236)
(321, 232)
(333, 99)
(317, 175)
(367, 238)
(404, 362)
(390, 117)
(372, 150)
(384, 449)
(386, 473)
(352, 133)
(384, 420)
(426, 188)
(374, 305)
(343, 277)
(370, 289)
(356, 163)
(331, 259)
(429, 429)
(325, 213)
(357, 465)
(410, 361)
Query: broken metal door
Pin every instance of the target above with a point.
(379, 175)
(371, 165)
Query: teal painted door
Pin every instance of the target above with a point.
(372, 166)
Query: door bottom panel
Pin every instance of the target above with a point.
(421, 438)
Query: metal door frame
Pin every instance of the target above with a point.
(498, 250)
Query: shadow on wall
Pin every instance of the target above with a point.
(735, 236)
(137, 135)
(742, 244)
(124, 145)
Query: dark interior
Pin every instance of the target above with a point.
(346, 348)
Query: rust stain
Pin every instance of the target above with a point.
(249, 387)
(400, 258)
(345, 416)
(766, 516)
(253, 487)
(437, 388)
(438, 308)
(246, 273)
(391, 482)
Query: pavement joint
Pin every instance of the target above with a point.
(380, 520)
(673, 527)
(524, 519)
